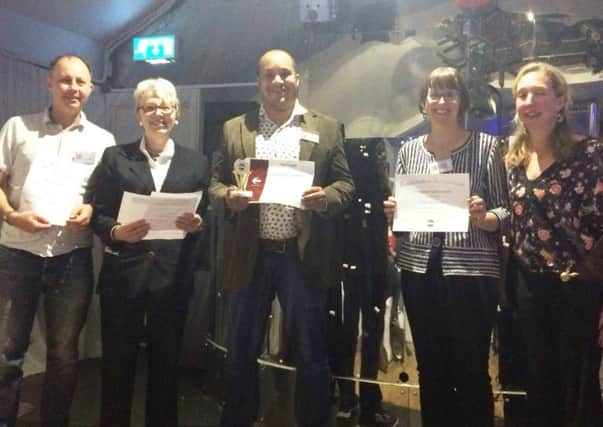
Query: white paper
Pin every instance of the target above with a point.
(432, 202)
(160, 210)
(53, 189)
(285, 182)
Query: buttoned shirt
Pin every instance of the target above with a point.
(278, 142)
(22, 140)
(160, 164)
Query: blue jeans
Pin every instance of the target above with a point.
(66, 280)
(305, 315)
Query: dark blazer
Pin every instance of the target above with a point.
(318, 238)
(148, 264)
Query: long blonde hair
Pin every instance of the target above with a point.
(561, 136)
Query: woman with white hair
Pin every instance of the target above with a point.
(145, 284)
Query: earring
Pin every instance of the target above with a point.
(176, 121)
(560, 118)
(140, 124)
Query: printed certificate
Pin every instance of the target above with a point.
(160, 210)
(279, 181)
(435, 202)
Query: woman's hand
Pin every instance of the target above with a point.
(477, 210)
(189, 222)
(389, 208)
(480, 216)
(132, 232)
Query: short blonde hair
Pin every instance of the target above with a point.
(561, 136)
(157, 87)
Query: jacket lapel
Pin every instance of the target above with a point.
(173, 174)
(249, 129)
(309, 124)
(139, 166)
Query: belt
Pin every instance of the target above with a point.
(277, 246)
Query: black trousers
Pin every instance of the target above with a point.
(559, 323)
(364, 294)
(123, 329)
(451, 319)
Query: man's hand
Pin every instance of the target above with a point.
(314, 199)
(235, 202)
(189, 222)
(29, 221)
(389, 208)
(80, 218)
(132, 232)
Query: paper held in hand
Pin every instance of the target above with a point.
(275, 181)
(160, 210)
(432, 202)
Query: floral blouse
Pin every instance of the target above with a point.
(557, 217)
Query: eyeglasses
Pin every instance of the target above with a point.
(152, 109)
(448, 95)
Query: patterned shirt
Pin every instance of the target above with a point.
(557, 217)
(472, 253)
(278, 142)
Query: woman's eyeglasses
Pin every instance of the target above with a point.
(448, 95)
(152, 109)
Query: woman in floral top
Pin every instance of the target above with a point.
(556, 196)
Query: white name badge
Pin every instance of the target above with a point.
(441, 166)
(310, 136)
(84, 157)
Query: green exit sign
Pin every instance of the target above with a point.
(154, 49)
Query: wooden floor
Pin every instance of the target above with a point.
(200, 396)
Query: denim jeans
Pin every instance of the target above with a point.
(66, 281)
(305, 314)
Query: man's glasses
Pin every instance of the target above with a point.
(152, 109)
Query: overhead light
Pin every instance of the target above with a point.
(154, 49)
(530, 16)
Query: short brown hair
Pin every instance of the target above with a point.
(448, 78)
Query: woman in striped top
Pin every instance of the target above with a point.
(449, 280)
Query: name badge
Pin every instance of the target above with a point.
(310, 136)
(84, 157)
(441, 166)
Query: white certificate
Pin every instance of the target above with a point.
(53, 189)
(279, 181)
(432, 202)
(160, 210)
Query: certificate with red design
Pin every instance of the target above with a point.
(435, 202)
(279, 181)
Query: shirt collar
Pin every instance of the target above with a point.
(79, 123)
(163, 157)
(298, 111)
